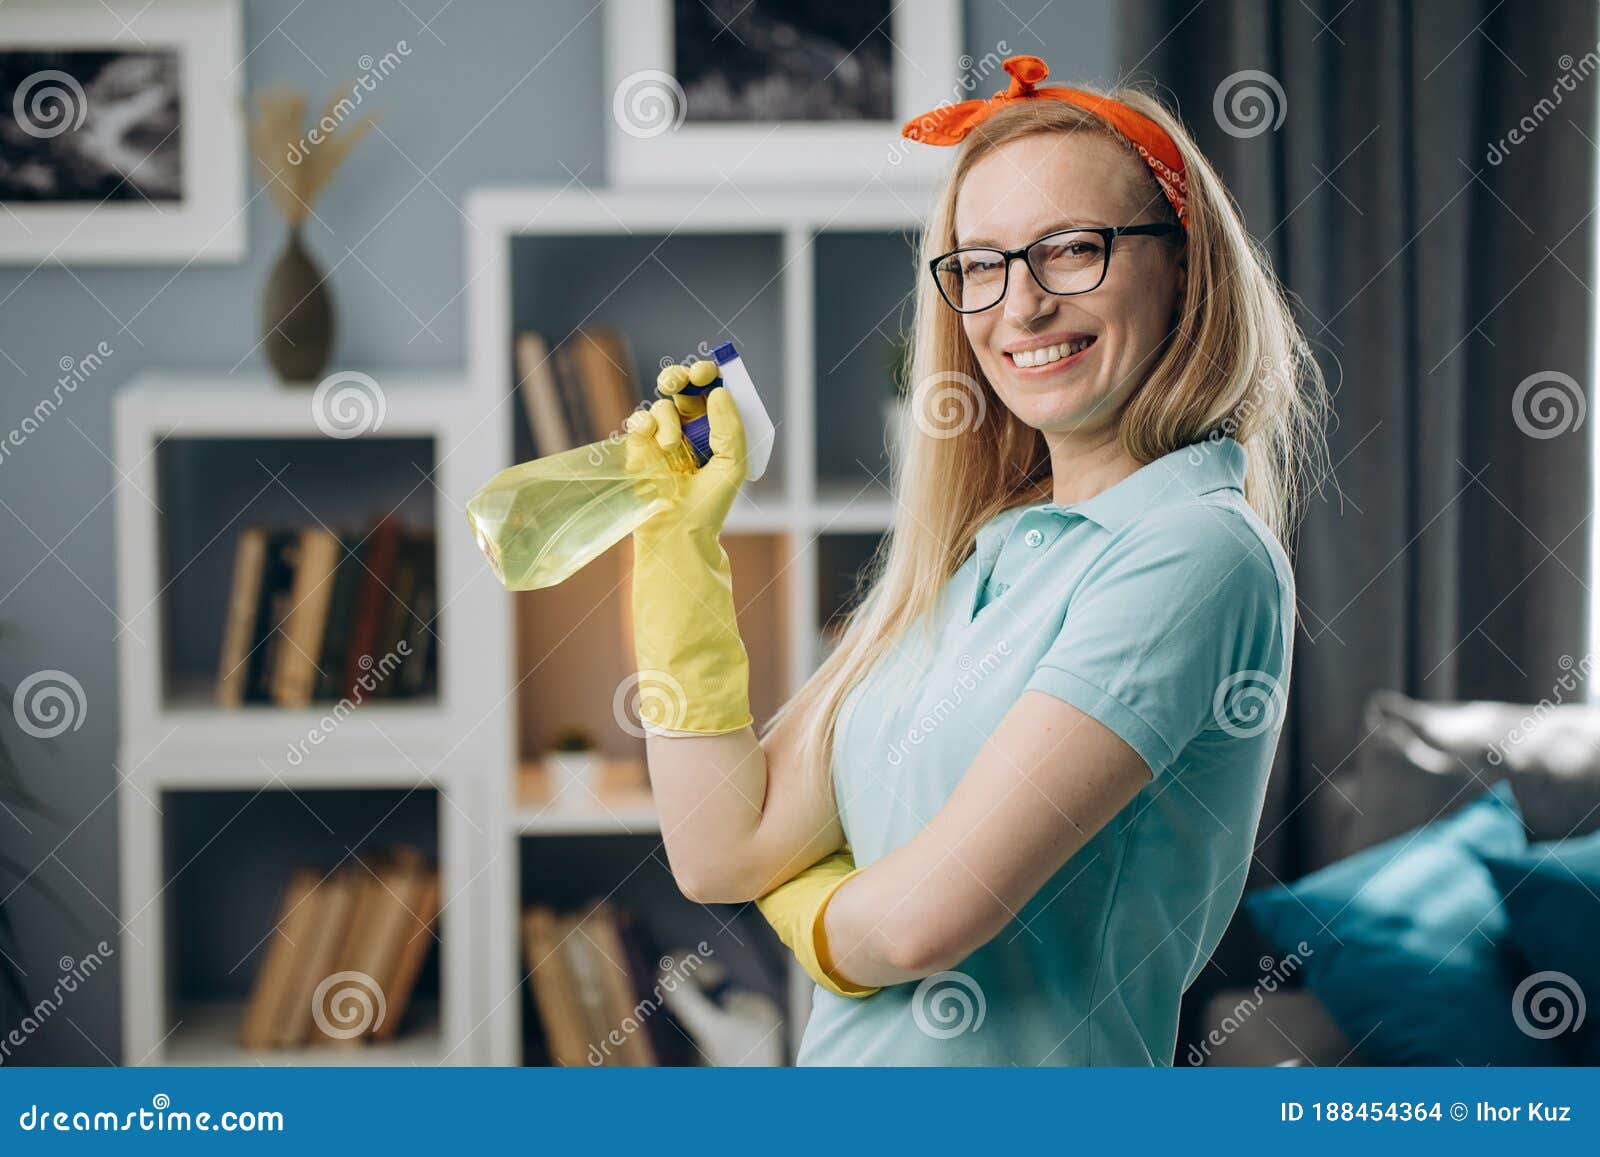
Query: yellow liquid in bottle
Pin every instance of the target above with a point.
(540, 522)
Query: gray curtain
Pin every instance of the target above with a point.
(1439, 263)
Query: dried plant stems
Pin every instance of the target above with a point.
(297, 164)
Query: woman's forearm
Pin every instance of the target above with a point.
(891, 923)
(738, 817)
(709, 791)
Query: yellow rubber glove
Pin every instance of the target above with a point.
(795, 911)
(694, 674)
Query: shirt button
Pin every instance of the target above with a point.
(1034, 537)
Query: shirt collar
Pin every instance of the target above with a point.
(1185, 473)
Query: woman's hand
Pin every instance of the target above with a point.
(694, 674)
(655, 437)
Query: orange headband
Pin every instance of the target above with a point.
(949, 124)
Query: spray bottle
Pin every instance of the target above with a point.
(540, 522)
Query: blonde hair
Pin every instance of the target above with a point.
(1235, 364)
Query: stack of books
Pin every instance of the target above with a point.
(343, 959)
(580, 392)
(318, 615)
(598, 989)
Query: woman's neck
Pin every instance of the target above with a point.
(1081, 468)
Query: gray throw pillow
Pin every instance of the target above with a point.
(1423, 761)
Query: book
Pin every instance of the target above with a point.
(536, 377)
(416, 940)
(603, 362)
(374, 941)
(294, 676)
(569, 380)
(244, 599)
(599, 928)
(591, 985)
(335, 900)
(415, 675)
(277, 578)
(413, 573)
(555, 989)
(371, 603)
(288, 942)
(341, 612)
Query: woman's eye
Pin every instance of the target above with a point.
(976, 266)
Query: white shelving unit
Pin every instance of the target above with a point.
(467, 744)
(797, 511)
(207, 1039)
(173, 741)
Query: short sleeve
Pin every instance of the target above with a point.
(1176, 629)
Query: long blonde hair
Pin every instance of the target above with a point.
(1235, 364)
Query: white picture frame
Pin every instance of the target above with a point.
(206, 221)
(925, 66)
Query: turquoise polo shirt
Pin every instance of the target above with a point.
(1164, 608)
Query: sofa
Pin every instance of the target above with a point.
(1421, 764)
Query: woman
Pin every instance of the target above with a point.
(1045, 733)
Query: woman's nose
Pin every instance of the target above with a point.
(1024, 301)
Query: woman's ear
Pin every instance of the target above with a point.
(1180, 285)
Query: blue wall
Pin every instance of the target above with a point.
(493, 91)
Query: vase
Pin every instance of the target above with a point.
(297, 315)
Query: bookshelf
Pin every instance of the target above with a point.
(810, 284)
(219, 794)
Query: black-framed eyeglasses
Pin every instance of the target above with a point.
(974, 278)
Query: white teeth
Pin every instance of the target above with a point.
(1027, 359)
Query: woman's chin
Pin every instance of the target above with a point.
(1055, 411)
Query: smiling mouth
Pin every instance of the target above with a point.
(1049, 355)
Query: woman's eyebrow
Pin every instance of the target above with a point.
(1065, 223)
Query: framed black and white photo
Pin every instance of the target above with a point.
(779, 90)
(121, 131)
